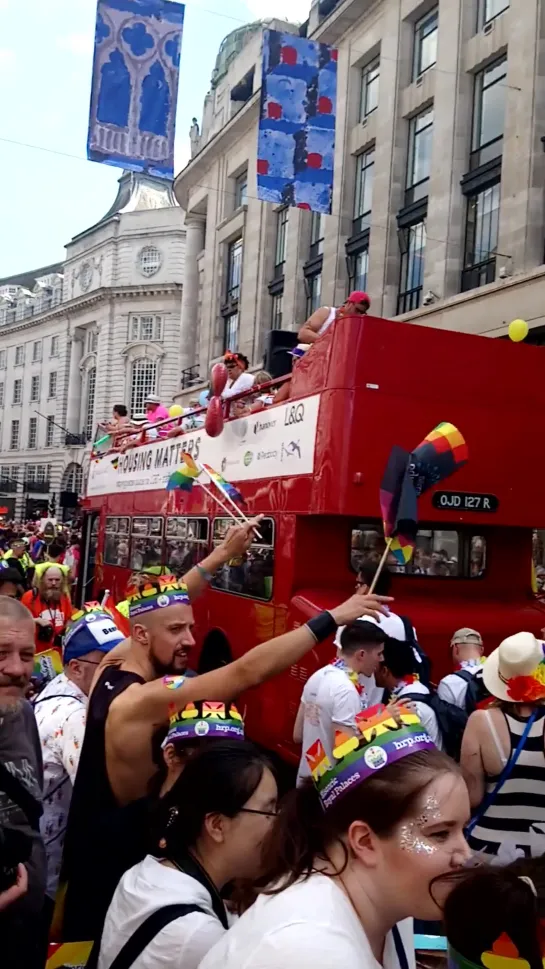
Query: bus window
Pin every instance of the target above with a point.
(251, 575)
(146, 543)
(116, 542)
(439, 552)
(186, 543)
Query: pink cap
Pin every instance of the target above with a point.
(358, 297)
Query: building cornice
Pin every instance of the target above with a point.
(72, 306)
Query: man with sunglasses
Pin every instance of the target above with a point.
(356, 304)
(60, 714)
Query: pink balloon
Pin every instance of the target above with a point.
(218, 379)
(213, 424)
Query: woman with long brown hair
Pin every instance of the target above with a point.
(353, 853)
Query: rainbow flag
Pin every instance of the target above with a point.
(115, 462)
(399, 506)
(185, 476)
(439, 455)
(224, 486)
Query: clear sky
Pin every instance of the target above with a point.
(46, 49)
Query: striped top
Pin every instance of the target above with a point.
(521, 801)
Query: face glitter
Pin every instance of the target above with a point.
(411, 838)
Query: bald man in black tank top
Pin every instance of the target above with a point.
(129, 703)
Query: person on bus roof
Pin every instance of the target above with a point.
(357, 304)
(131, 700)
(239, 378)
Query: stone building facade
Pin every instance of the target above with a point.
(439, 196)
(101, 328)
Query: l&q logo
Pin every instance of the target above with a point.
(294, 414)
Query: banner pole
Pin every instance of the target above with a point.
(381, 565)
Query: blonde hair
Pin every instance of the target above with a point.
(261, 377)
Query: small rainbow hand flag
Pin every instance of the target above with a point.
(439, 455)
(115, 463)
(224, 486)
(185, 476)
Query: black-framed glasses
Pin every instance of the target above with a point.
(265, 814)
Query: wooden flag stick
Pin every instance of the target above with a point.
(240, 513)
(213, 495)
(381, 565)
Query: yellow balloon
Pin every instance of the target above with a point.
(175, 411)
(518, 330)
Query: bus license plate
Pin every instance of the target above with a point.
(464, 501)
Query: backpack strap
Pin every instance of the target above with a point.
(21, 796)
(145, 933)
(400, 948)
(465, 675)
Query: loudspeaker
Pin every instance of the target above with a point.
(69, 499)
(278, 361)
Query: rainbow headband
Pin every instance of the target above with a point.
(166, 591)
(503, 955)
(205, 719)
(382, 740)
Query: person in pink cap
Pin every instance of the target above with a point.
(357, 304)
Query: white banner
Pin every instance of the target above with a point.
(275, 443)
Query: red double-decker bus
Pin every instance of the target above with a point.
(313, 467)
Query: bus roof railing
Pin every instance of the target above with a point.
(140, 432)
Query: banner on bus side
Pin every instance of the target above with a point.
(275, 443)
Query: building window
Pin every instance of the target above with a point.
(90, 402)
(358, 270)
(2, 394)
(19, 356)
(314, 292)
(316, 234)
(37, 351)
(419, 158)
(144, 329)
(277, 307)
(49, 431)
(490, 9)
(241, 189)
(17, 391)
(412, 267)
(91, 342)
(488, 113)
(54, 346)
(149, 260)
(365, 170)
(35, 388)
(483, 212)
(369, 88)
(230, 338)
(143, 382)
(52, 384)
(14, 436)
(3, 359)
(281, 241)
(425, 43)
(32, 432)
(234, 269)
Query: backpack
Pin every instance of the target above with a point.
(451, 720)
(476, 690)
(424, 663)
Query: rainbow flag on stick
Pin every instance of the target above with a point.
(226, 488)
(439, 455)
(185, 476)
(398, 505)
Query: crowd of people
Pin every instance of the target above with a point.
(136, 816)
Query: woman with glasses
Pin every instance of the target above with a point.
(168, 911)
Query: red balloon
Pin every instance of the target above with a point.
(213, 424)
(218, 379)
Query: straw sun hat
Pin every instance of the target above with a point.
(515, 671)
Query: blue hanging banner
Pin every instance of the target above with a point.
(135, 85)
(296, 142)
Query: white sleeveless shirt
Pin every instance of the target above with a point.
(330, 319)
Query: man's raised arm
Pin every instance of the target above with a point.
(155, 702)
(309, 330)
(235, 544)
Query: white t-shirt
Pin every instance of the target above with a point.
(144, 889)
(331, 702)
(424, 713)
(242, 383)
(453, 688)
(311, 925)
